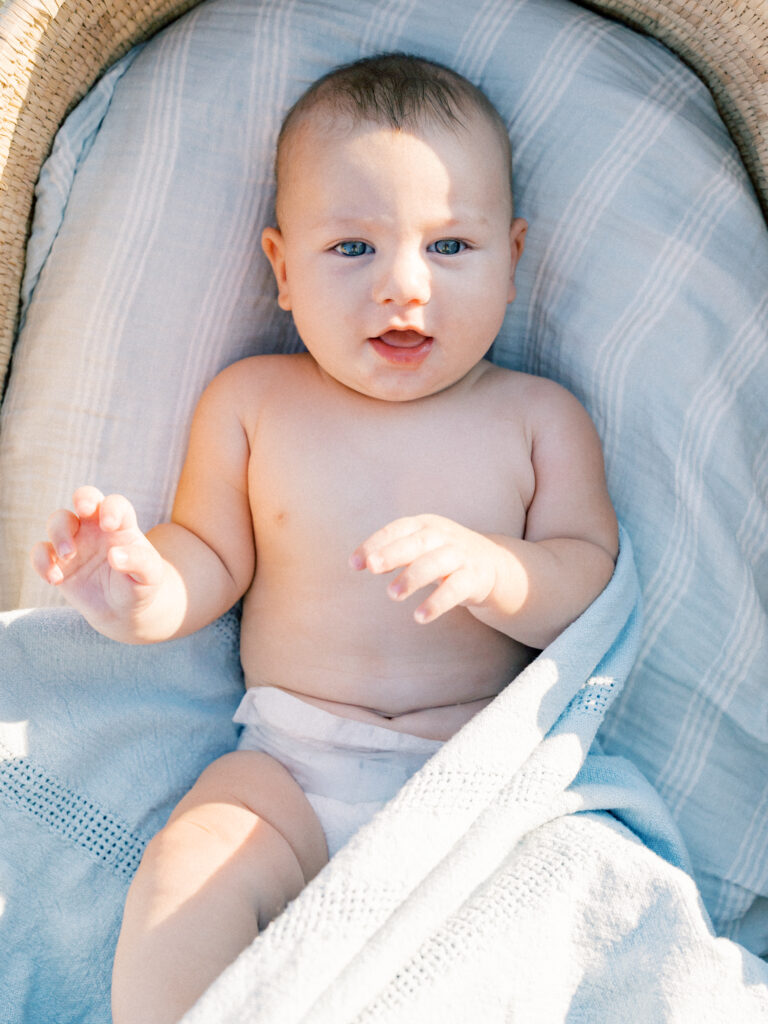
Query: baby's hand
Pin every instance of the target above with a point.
(432, 550)
(103, 563)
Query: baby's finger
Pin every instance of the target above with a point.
(403, 550)
(452, 592)
(141, 562)
(62, 529)
(117, 513)
(365, 556)
(43, 559)
(86, 501)
(431, 567)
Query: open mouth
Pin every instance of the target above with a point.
(402, 348)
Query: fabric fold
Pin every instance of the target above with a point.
(519, 826)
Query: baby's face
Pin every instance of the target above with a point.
(395, 254)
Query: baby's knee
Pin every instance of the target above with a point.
(244, 788)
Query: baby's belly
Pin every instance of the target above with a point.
(433, 723)
(424, 680)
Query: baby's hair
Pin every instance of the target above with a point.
(397, 90)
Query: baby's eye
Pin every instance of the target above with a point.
(353, 248)
(447, 246)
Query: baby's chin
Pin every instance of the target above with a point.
(402, 391)
(408, 370)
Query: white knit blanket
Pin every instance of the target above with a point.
(520, 876)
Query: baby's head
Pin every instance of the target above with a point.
(394, 90)
(396, 244)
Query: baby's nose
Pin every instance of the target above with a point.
(403, 280)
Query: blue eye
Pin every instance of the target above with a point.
(448, 246)
(353, 248)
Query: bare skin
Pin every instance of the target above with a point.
(405, 521)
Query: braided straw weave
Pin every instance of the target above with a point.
(52, 51)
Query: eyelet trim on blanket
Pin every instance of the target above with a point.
(74, 817)
(595, 696)
(228, 627)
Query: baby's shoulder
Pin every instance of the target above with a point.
(526, 390)
(242, 392)
(250, 378)
(544, 408)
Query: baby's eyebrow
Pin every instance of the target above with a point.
(351, 224)
(339, 226)
(342, 222)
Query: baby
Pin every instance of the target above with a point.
(405, 520)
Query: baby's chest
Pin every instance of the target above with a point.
(335, 485)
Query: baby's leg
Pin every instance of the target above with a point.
(239, 846)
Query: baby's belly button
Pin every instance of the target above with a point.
(438, 723)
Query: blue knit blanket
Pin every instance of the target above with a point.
(520, 875)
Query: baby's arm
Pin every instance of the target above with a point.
(182, 574)
(532, 587)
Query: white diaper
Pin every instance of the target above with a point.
(347, 769)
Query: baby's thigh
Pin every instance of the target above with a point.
(253, 819)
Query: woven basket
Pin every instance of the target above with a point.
(52, 51)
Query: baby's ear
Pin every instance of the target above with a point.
(517, 233)
(273, 244)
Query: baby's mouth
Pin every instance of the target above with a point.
(403, 339)
(403, 348)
